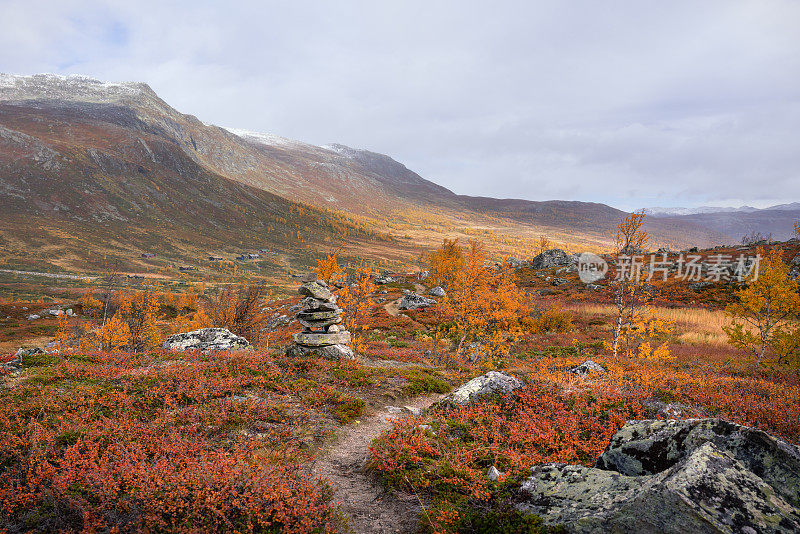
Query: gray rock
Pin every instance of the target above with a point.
(55, 313)
(437, 291)
(514, 263)
(491, 382)
(413, 410)
(206, 339)
(650, 446)
(21, 353)
(320, 339)
(330, 352)
(657, 409)
(19, 358)
(709, 491)
(701, 475)
(384, 277)
(552, 258)
(394, 409)
(33, 317)
(317, 290)
(587, 367)
(494, 474)
(412, 301)
(594, 287)
(559, 281)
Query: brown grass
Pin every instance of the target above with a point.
(699, 325)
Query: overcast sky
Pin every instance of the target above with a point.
(638, 103)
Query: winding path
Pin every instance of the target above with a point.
(367, 506)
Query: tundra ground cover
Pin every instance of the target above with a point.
(177, 442)
(222, 442)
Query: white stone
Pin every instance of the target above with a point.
(491, 382)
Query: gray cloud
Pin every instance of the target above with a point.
(630, 103)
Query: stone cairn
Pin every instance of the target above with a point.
(320, 317)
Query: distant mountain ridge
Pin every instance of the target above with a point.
(777, 221)
(669, 212)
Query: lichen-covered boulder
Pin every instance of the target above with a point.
(587, 367)
(703, 476)
(412, 301)
(552, 258)
(330, 352)
(491, 382)
(207, 339)
(437, 291)
(651, 446)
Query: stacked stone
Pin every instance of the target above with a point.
(322, 334)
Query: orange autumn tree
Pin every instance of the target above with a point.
(446, 263)
(328, 269)
(139, 311)
(767, 316)
(486, 305)
(356, 302)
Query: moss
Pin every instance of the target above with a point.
(420, 381)
(354, 377)
(504, 521)
(68, 438)
(348, 409)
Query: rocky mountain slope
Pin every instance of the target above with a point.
(80, 152)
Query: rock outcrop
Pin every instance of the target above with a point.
(412, 301)
(320, 316)
(697, 475)
(206, 340)
(587, 367)
(437, 291)
(552, 258)
(491, 382)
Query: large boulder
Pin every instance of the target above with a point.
(491, 382)
(412, 301)
(587, 367)
(206, 339)
(701, 475)
(552, 258)
(437, 291)
(651, 446)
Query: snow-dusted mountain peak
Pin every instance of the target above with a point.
(268, 139)
(71, 88)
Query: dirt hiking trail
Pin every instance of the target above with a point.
(366, 505)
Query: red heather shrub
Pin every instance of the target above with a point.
(539, 424)
(124, 475)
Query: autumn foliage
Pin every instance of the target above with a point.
(766, 317)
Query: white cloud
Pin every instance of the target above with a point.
(630, 103)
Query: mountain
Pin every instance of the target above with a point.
(668, 212)
(109, 169)
(737, 222)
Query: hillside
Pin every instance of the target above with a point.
(109, 169)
